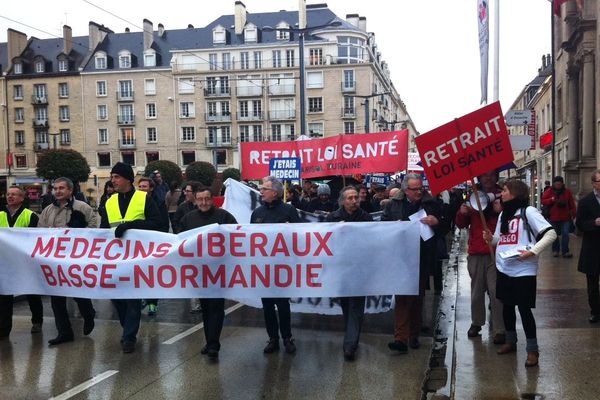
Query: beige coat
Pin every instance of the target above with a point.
(54, 216)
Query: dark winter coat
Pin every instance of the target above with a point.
(588, 210)
(340, 214)
(274, 212)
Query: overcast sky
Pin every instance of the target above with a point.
(431, 46)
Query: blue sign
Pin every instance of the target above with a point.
(378, 179)
(285, 169)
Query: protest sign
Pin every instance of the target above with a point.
(285, 169)
(337, 155)
(464, 148)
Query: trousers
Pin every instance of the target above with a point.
(273, 325)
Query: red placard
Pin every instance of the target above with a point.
(337, 155)
(464, 148)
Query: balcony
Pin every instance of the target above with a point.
(125, 96)
(41, 146)
(348, 112)
(250, 117)
(127, 143)
(217, 92)
(249, 91)
(282, 90)
(35, 99)
(40, 122)
(217, 117)
(212, 143)
(276, 115)
(349, 87)
(126, 119)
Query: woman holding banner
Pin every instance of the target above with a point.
(521, 234)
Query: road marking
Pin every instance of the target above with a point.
(196, 328)
(85, 385)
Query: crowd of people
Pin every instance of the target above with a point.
(506, 237)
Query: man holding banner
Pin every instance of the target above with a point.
(274, 211)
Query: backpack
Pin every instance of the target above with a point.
(526, 225)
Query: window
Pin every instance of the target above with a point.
(244, 60)
(349, 127)
(559, 106)
(18, 68)
(100, 60)
(63, 65)
(244, 133)
(102, 136)
(316, 57)
(128, 157)
(257, 59)
(186, 85)
(63, 90)
(39, 66)
(63, 113)
(104, 159)
(102, 112)
(149, 58)
(226, 60)
(350, 50)
(219, 35)
(127, 137)
(126, 115)
(257, 134)
(251, 133)
(188, 134)
(212, 61)
(276, 133)
(41, 137)
(40, 93)
(276, 58)
(315, 104)
(19, 115)
(282, 84)
(124, 59)
(348, 106)
(218, 135)
(151, 156)
(126, 90)
(188, 157)
(315, 129)
(349, 83)
(41, 114)
(65, 137)
(282, 109)
(20, 161)
(150, 110)
(19, 138)
(289, 58)
(149, 87)
(314, 79)
(221, 156)
(151, 135)
(100, 88)
(250, 33)
(243, 109)
(18, 92)
(186, 109)
(280, 33)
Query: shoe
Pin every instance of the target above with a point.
(594, 318)
(414, 343)
(272, 346)
(555, 254)
(349, 355)
(196, 310)
(473, 331)
(567, 255)
(532, 358)
(507, 348)
(398, 346)
(60, 339)
(88, 325)
(36, 328)
(128, 347)
(289, 345)
(204, 350)
(213, 354)
(499, 338)
(152, 310)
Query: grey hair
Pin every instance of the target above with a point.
(342, 196)
(276, 184)
(410, 176)
(595, 173)
(66, 180)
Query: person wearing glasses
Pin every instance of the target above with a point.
(275, 211)
(188, 205)
(409, 309)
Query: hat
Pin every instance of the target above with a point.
(324, 189)
(558, 179)
(123, 170)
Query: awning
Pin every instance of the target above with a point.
(27, 180)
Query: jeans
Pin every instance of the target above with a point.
(562, 241)
(130, 314)
(354, 311)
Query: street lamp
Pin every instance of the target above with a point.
(366, 104)
(301, 32)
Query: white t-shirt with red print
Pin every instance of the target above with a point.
(517, 239)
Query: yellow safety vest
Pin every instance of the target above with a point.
(22, 221)
(135, 209)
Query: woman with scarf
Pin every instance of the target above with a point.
(522, 233)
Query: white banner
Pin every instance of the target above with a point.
(232, 261)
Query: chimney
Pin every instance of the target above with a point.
(67, 39)
(161, 30)
(301, 14)
(127, 30)
(148, 33)
(16, 42)
(543, 62)
(96, 35)
(240, 17)
(352, 19)
(362, 23)
(190, 26)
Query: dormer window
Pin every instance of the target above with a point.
(39, 66)
(18, 68)
(150, 58)
(124, 59)
(100, 60)
(63, 65)
(250, 33)
(219, 35)
(282, 34)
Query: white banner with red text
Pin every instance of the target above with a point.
(309, 260)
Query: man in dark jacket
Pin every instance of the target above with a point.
(323, 200)
(274, 211)
(588, 222)
(353, 308)
(185, 207)
(409, 309)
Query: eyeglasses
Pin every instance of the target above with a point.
(265, 188)
(415, 189)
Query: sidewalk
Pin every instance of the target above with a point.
(569, 344)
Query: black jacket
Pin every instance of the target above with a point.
(197, 218)
(317, 205)
(273, 213)
(152, 221)
(588, 210)
(340, 214)
(182, 210)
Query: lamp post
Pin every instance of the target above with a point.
(301, 32)
(366, 104)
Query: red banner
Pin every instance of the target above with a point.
(464, 148)
(338, 155)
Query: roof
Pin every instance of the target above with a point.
(50, 49)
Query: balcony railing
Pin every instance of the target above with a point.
(219, 142)
(125, 96)
(126, 119)
(39, 146)
(40, 122)
(282, 114)
(35, 99)
(126, 143)
(348, 112)
(250, 116)
(217, 117)
(217, 92)
(277, 90)
(249, 91)
(282, 138)
(349, 87)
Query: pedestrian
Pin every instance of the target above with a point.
(172, 200)
(562, 211)
(408, 310)
(160, 186)
(15, 215)
(480, 261)
(353, 308)
(213, 309)
(108, 191)
(588, 222)
(128, 209)
(323, 200)
(521, 234)
(47, 198)
(272, 211)
(66, 211)
(188, 205)
(365, 201)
